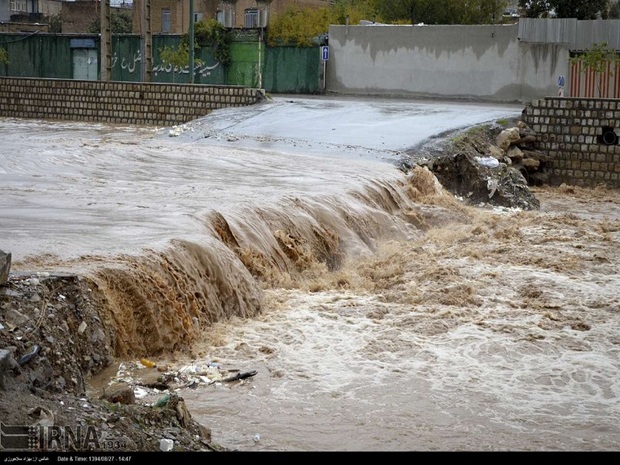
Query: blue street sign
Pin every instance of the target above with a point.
(325, 53)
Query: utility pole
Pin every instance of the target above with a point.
(191, 41)
(260, 47)
(106, 41)
(263, 17)
(146, 39)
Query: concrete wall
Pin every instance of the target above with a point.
(485, 62)
(117, 102)
(581, 138)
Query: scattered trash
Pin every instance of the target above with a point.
(208, 373)
(256, 437)
(491, 186)
(178, 130)
(29, 356)
(44, 416)
(82, 327)
(239, 376)
(140, 393)
(167, 380)
(147, 363)
(166, 445)
(162, 401)
(489, 162)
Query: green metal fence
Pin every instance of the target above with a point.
(292, 70)
(37, 55)
(280, 69)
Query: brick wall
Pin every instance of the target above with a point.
(580, 135)
(117, 102)
(78, 16)
(23, 27)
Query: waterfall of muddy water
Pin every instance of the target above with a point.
(496, 330)
(379, 312)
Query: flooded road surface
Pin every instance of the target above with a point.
(379, 312)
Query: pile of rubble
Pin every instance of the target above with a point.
(52, 341)
(488, 165)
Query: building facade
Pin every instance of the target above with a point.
(173, 17)
(256, 13)
(166, 16)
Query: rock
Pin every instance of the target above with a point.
(539, 178)
(5, 266)
(527, 141)
(16, 318)
(496, 152)
(535, 154)
(58, 385)
(531, 164)
(43, 374)
(183, 414)
(5, 364)
(121, 394)
(508, 136)
(515, 154)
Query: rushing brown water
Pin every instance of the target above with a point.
(379, 312)
(494, 330)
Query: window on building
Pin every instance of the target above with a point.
(197, 17)
(251, 17)
(18, 5)
(166, 20)
(220, 17)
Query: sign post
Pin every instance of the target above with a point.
(324, 58)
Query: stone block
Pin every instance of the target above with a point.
(5, 266)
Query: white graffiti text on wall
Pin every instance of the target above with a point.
(130, 66)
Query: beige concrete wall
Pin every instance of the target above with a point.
(481, 62)
(571, 132)
(116, 102)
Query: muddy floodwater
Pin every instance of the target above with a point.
(379, 312)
